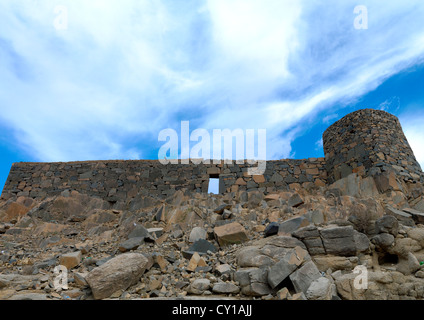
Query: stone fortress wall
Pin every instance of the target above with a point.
(365, 142)
(124, 180)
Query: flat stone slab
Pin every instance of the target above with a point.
(131, 244)
(200, 246)
(418, 216)
(403, 217)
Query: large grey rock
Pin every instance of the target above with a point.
(118, 273)
(139, 232)
(387, 224)
(231, 233)
(197, 233)
(289, 263)
(362, 243)
(306, 232)
(280, 271)
(256, 289)
(255, 198)
(252, 257)
(339, 240)
(223, 269)
(416, 234)
(265, 252)
(17, 280)
(221, 208)
(131, 244)
(70, 260)
(225, 288)
(201, 246)
(315, 217)
(289, 226)
(348, 185)
(253, 281)
(383, 241)
(295, 201)
(310, 236)
(199, 286)
(321, 289)
(367, 187)
(409, 265)
(386, 181)
(303, 277)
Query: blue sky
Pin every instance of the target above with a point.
(99, 79)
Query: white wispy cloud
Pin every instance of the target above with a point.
(122, 71)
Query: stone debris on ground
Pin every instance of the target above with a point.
(299, 244)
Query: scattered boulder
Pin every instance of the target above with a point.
(339, 240)
(116, 274)
(201, 247)
(303, 277)
(362, 243)
(225, 288)
(197, 233)
(221, 208)
(252, 256)
(283, 268)
(321, 289)
(195, 261)
(387, 224)
(408, 265)
(295, 201)
(230, 234)
(383, 241)
(199, 286)
(224, 269)
(271, 229)
(139, 232)
(253, 281)
(131, 244)
(71, 260)
(289, 226)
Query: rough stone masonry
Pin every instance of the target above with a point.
(141, 230)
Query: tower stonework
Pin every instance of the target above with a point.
(368, 142)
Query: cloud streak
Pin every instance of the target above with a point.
(105, 87)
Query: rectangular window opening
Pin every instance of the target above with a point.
(213, 186)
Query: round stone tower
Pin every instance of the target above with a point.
(367, 142)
